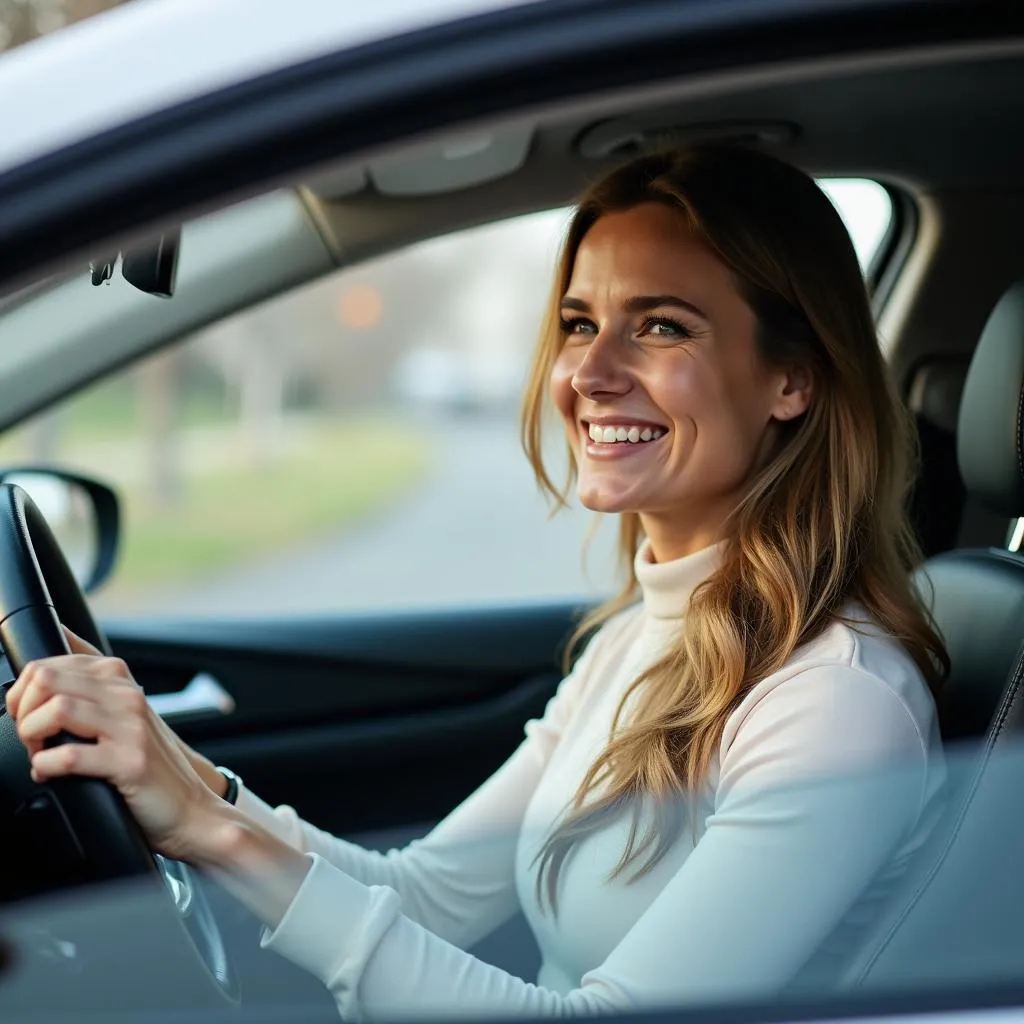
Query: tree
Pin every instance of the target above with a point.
(158, 394)
(253, 355)
(24, 20)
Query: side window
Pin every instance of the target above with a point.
(866, 209)
(351, 446)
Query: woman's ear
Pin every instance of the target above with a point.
(796, 389)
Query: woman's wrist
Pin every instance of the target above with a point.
(264, 872)
(207, 771)
(202, 766)
(260, 869)
(216, 834)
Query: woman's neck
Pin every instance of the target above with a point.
(669, 540)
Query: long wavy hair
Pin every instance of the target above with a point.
(823, 524)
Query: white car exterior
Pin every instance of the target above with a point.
(152, 54)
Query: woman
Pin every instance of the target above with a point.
(737, 764)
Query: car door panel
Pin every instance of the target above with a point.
(401, 715)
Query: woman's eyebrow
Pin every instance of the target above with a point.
(638, 304)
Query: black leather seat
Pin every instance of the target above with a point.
(977, 596)
(957, 918)
(978, 604)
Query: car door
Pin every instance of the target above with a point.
(380, 722)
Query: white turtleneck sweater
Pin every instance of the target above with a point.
(824, 783)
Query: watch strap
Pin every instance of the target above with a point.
(234, 784)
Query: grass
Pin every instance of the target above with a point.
(110, 412)
(243, 512)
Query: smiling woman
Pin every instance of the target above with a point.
(652, 362)
(781, 448)
(711, 352)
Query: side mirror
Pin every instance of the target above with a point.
(82, 513)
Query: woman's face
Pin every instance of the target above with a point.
(668, 407)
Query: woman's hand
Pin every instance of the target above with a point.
(95, 698)
(173, 792)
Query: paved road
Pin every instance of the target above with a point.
(475, 531)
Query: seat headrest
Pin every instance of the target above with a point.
(990, 432)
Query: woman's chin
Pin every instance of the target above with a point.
(600, 500)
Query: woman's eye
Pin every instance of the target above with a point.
(664, 327)
(578, 325)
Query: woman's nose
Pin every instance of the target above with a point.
(601, 370)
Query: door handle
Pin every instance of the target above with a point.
(203, 697)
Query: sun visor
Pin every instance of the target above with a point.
(442, 165)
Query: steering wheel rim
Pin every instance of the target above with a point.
(38, 592)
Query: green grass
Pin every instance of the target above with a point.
(112, 416)
(113, 413)
(246, 512)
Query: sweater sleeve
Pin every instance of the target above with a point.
(820, 783)
(458, 881)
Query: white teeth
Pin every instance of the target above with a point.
(618, 435)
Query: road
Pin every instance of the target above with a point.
(476, 531)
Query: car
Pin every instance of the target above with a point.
(236, 239)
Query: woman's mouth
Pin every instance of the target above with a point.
(616, 440)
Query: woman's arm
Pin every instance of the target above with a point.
(457, 881)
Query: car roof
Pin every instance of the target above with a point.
(152, 54)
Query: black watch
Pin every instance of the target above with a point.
(234, 784)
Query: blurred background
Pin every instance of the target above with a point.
(350, 446)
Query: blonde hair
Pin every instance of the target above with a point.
(824, 523)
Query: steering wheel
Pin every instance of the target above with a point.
(74, 831)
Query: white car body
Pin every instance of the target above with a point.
(152, 54)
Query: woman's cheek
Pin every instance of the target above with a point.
(686, 392)
(563, 395)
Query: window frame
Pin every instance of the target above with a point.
(889, 260)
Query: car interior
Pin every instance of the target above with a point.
(406, 713)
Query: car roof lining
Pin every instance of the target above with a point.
(876, 117)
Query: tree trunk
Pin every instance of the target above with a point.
(158, 395)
